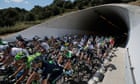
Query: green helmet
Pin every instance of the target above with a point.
(19, 56)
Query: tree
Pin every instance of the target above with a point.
(112, 1)
(68, 5)
(80, 4)
(39, 12)
(55, 10)
(58, 3)
(21, 13)
(10, 17)
(29, 16)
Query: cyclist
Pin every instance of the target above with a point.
(20, 42)
(10, 53)
(49, 71)
(44, 47)
(6, 59)
(36, 43)
(24, 67)
(3, 42)
(3, 45)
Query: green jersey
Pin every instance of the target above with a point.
(29, 58)
(69, 54)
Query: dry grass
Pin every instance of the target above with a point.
(137, 3)
(18, 27)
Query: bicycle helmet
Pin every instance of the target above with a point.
(46, 38)
(11, 44)
(35, 38)
(20, 56)
(19, 37)
(30, 45)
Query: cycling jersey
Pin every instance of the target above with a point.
(50, 68)
(69, 54)
(15, 51)
(3, 47)
(29, 58)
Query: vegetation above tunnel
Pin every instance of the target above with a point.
(11, 18)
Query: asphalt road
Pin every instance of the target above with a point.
(41, 31)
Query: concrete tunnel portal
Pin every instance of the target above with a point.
(103, 20)
(107, 20)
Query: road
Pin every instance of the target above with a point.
(117, 76)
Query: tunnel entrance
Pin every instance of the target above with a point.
(112, 25)
(109, 21)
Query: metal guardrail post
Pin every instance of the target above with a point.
(131, 68)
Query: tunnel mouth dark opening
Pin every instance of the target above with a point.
(109, 23)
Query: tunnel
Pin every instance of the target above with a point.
(108, 22)
(103, 20)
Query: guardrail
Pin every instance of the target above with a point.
(130, 78)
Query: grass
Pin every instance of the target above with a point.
(135, 3)
(18, 27)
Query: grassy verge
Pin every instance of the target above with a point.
(18, 27)
(137, 3)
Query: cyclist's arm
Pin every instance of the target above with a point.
(45, 81)
(19, 69)
(1, 59)
(31, 78)
(22, 77)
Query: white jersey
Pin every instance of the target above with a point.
(45, 45)
(90, 46)
(3, 47)
(15, 51)
(62, 48)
